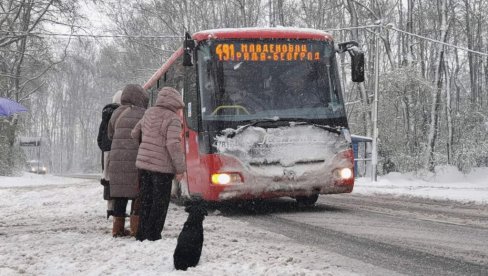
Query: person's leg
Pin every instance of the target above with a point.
(145, 197)
(106, 188)
(135, 207)
(161, 199)
(134, 215)
(120, 205)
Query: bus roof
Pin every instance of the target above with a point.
(242, 33)
(277, 32)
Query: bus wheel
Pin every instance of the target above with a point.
(307, 200)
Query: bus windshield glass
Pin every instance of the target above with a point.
(242, 80)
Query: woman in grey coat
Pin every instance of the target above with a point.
(124, 176)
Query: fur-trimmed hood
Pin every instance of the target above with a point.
(134, 94)
(170, 98)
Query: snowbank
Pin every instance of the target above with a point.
(446, 184)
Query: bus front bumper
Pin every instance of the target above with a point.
(280, 186)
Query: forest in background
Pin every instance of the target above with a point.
(432, 97)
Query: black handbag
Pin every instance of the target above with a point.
(106, 192)
(106, 189)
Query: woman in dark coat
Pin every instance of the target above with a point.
(124, 176)
(104, 143)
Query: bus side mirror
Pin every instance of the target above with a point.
(188, 47)
(357, 59)
(357, 67)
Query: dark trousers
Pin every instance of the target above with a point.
(120, 206)
(154, 195)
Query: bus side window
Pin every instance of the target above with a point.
(179, 75)
(174, 77)
(183, 79)
(168, 78)
(190, 96)
(153, 95)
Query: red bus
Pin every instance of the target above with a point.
(264, 113)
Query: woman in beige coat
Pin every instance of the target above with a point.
(160, 158)
(124, 176)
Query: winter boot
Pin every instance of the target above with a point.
(118, 229)
(134, 224)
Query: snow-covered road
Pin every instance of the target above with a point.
(56, 226)
(406, 235)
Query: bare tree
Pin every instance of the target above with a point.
(436, 96)
(24, 57)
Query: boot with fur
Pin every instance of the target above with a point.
(118, 229)
(134, 224)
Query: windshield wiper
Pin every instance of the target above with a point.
(259, 122)
(271, 121)
(325, 127)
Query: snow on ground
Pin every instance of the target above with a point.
(56, 226)
(30, 179)
(49, 228)
(446, 184)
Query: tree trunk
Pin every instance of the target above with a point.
(423, 55)
(408, 39)
(436, 95)
(471, 57)
(449, 78)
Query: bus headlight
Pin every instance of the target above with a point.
(225, 178)
(344, 173)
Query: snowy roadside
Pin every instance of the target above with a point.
(61, 230)
(446, 184)
(30, 179)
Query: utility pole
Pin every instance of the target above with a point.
(374, 157)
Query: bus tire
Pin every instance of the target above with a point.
(307, 200)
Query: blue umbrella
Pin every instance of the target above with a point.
(9, 107)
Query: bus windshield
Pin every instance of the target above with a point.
(243, 80)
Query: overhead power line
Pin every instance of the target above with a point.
(351, 28)
(95, 35)
(181, 37)
(411, 34)
(440, 42)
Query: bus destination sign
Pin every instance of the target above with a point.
(265, 52)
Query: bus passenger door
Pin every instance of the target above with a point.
(186, 187)
(190, 135)
(193, 171)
